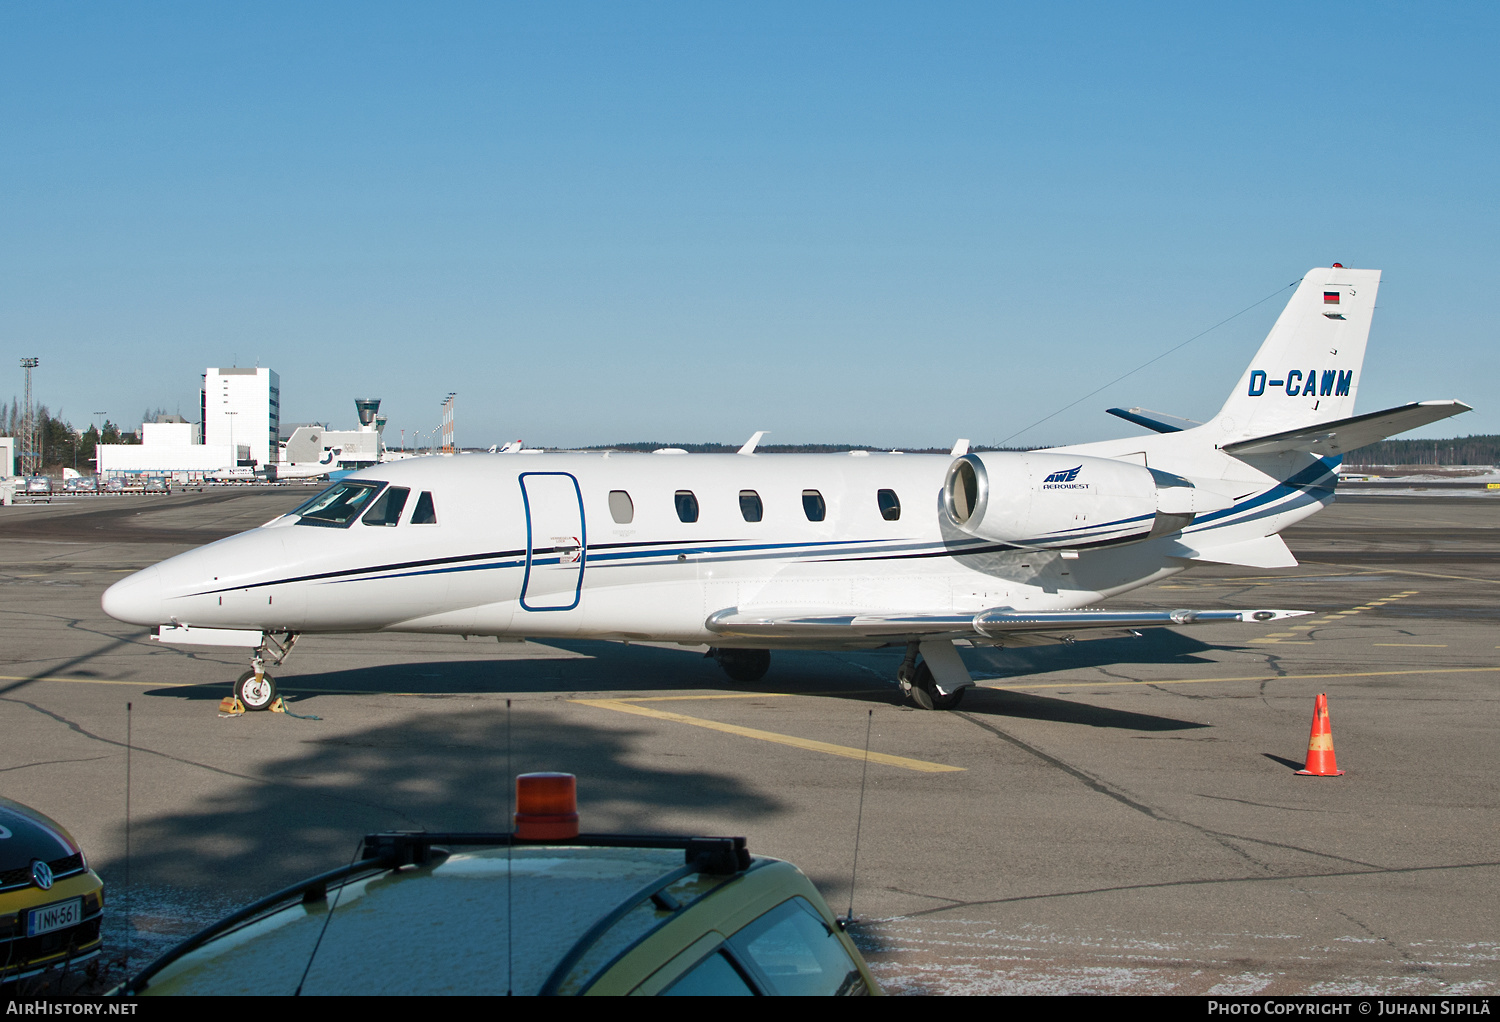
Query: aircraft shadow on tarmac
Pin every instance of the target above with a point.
(444, 770)
(623, 670)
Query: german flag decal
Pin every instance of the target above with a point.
(1330, 297)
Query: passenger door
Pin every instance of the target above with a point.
(556, 546)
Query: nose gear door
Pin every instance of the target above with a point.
(556, 546)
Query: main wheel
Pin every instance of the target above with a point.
(924, 691)
(744, 665)
(256, 695)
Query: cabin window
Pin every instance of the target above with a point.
(750, 506)
(424, 514)
(890, 505)
(814, 506)
(687, 506)
(621, 507)
(338, 506)
(387, 509)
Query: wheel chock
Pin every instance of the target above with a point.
(279, 706)
(230, 706)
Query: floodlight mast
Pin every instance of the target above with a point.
(29, 466)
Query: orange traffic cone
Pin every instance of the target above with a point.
(1320, 761)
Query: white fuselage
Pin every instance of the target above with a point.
(530, 545)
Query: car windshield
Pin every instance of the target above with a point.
(338, 505)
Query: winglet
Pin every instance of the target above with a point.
(960, 448)
(753, 442)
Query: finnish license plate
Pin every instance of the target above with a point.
(54, 917)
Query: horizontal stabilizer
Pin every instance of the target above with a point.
(1265, 552)
(1343, 435)
(991, 624)
(1159, 421)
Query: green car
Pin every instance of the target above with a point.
(424, 913)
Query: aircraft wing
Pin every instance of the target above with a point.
(997, 624)
(1342, 435)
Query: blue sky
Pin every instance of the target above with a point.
(875, 223)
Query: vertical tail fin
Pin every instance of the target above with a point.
(1307, 370)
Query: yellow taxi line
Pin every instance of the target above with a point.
(1251, 677)
(1408, 571)
(621, 706)
(722, 695)
(105, 681)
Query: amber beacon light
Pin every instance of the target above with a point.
(546, 807)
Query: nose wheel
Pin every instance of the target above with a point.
(256, 689)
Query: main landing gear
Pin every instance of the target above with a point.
(920, 687)
(257, 689)
(742, 665)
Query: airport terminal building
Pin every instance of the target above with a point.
(238, 437)
(242, 407)
(241, 416)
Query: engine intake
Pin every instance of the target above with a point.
(1060, 501)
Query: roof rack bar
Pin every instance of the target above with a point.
(410, 847)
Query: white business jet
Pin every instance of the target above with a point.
(748, 553)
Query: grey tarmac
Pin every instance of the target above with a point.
(1119, 815)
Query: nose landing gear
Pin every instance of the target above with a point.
(255, 688)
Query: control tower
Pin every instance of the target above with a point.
(367, 408)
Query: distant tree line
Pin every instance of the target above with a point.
(60, 445)
(1469, 450)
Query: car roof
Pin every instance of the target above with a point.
(525, 919)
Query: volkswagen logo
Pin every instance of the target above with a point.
(41, 874)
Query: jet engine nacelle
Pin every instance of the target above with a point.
(1041, 499)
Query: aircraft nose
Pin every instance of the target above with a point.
(136, 599)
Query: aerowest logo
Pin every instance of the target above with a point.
(1064, 480)
(1328, 383)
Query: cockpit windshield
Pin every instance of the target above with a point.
(338, 505)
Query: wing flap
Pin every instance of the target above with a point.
(990, 624)
(1343, 435)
